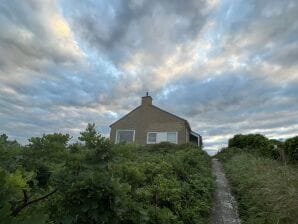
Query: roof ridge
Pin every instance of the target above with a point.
(125, 115)
(156, 108)
(169, 113)
(172, 115)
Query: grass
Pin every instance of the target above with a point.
(266, 190)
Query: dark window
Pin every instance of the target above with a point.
(125, 136)
(152, 137)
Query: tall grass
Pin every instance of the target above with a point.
(266, 190)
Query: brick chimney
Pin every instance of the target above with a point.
(146, 100)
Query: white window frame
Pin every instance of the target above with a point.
(156, 132)
(176, 142)
(117, 131)
(149, 132)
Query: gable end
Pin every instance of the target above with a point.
(111, 125)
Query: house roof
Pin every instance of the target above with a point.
(155, 108)
(195, 133)
(125, 116)
(173, 115)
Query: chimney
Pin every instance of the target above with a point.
(146, 100)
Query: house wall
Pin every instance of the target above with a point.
(148, 118)
(187, 134)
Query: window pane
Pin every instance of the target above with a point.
(152, 137)
(172, 137)
(125, 136)
(161, 137)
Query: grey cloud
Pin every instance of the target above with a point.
(47, 85)
(258, 32)
(232, 103)
(28, 41)
(121, 28)
(41, 73)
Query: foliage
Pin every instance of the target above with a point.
(265, 186)
(92, 181)
(291, 148)
(259, 144)
(227, 153)
(11, 187)
(253, 142)
(248, 141)
(50, 142)
(139, 185)
(99, 146)
(173, 184)
(5, 143)
(265, 189)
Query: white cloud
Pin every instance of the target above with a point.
(231, 66)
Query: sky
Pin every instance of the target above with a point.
(227, 66)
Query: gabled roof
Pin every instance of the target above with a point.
(187, 124)
(195, 133)
(173, 115)
(125, 115)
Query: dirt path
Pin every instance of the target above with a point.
(225, 206)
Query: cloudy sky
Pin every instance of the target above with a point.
(227, 66)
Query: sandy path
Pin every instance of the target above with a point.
(225, 207)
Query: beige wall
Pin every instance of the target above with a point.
(148, 118)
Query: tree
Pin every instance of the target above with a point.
(252, 141)
(90, 136)
(291, 148)
(7, 144)
(3, 138)
(100, 146)
(56, 141)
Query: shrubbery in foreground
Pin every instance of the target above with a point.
(50, 181)
(263, 175)
(266, 190)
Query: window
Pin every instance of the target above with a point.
(157, 137)
(172, 137)
(125, 136)
(152, 137)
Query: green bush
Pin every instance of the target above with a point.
(291, 148)
(265, 189)
(258, 144)
(228, 152)
(42, 176)
(12, 186)
(138, 185)
(250, 141)
(97, 182)
(174, 184)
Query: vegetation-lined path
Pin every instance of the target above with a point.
(225, 207)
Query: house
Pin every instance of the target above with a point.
(148, 124)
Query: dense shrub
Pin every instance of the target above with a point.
(228, 152)
(173, 184)
(291, 148)
(258, 144)
(42, 176)
(251, 141)
(140, 185)
(12, 186)
(52, 181)
(265, 189)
